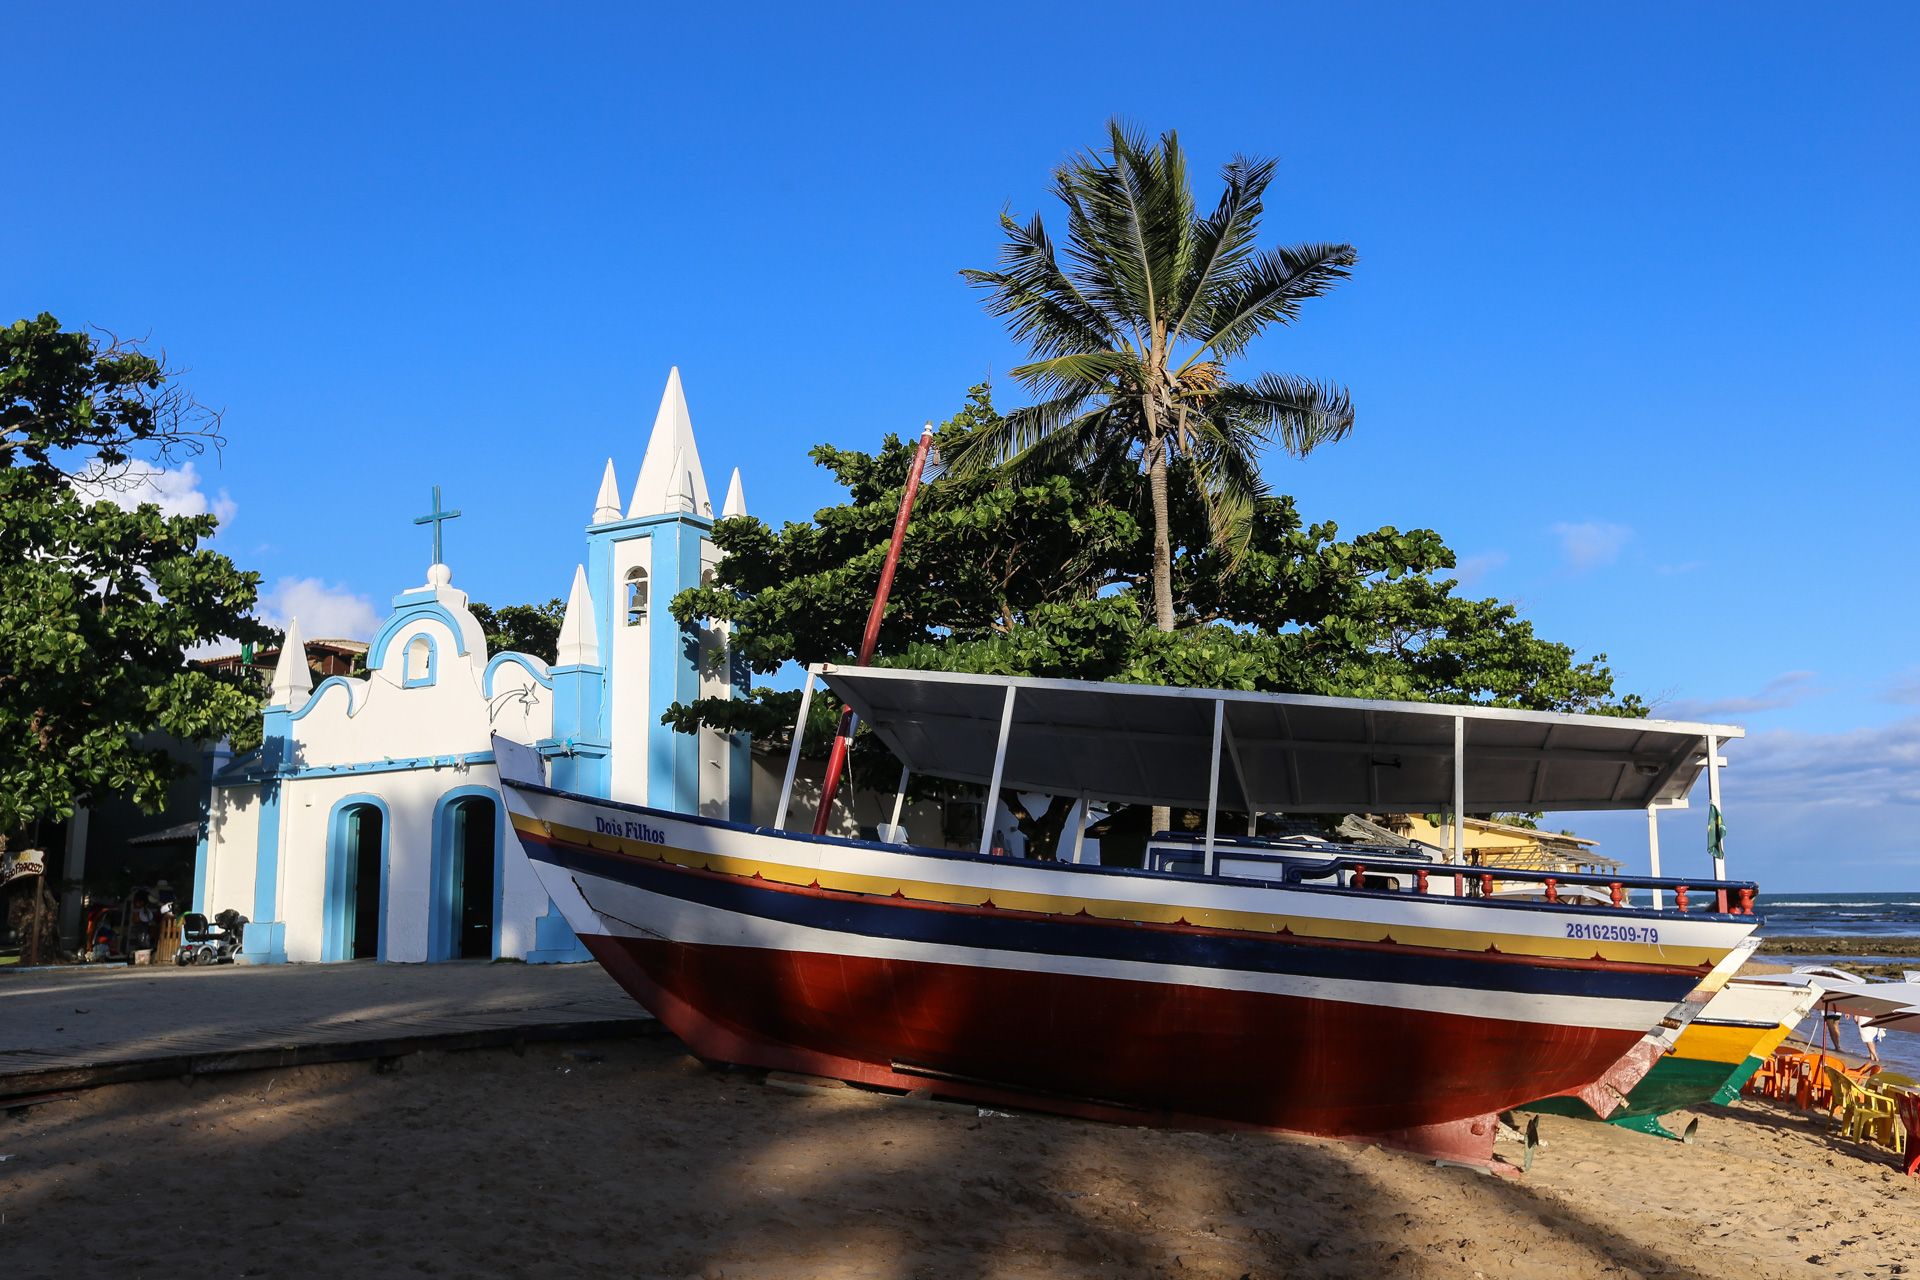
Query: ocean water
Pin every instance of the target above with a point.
(1800, 915)
(1858, 915)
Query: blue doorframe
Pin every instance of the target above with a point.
(443, 911)
(336, 911)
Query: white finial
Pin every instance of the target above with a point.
(736, 503)
(438, 576)
(292, 681)
(580, 629)
(606, 507)
(671, 479)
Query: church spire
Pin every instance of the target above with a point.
(606, 507)
(670, 476)
(292, 681)
(736, 503)
(579, 629)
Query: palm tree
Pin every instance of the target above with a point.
(1132, 336)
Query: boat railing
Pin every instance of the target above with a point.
(1728, 897)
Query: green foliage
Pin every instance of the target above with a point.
(522, 628)
(99, 605)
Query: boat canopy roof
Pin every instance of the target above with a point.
(1149, 744)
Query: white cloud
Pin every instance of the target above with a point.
(1590, 544)
(1851, 770)
(1806, 813)
(325, 613)
(1788, 689)
(176, 493)
(1904, 689)
(1474, 568)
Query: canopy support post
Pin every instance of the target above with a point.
(1240, 773)
(999, 770)
(1080, 827)
(1213, 781)
(1459, 788)
(793, 756)
(1653, 850)
(1716, 819)
(900, 800)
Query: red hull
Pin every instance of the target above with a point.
(1137, 1053)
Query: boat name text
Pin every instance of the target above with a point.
(629, 830)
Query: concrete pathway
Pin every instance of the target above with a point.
(57, 1025)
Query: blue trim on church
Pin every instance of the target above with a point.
(431, 674)
(424, 605)
(538, 672)
(356, 689)
(443, 886)
(336, 922)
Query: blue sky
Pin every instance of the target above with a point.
(1633, 327)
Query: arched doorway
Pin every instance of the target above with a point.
(356, 880)
(475, 820)
(466, 875)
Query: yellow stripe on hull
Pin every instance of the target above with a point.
(1146, 912)
(1731, 1045)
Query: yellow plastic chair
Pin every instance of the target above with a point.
(1890, 1087)
(1865, 1115)
(1845, 1100)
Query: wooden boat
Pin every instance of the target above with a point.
(1352, 995)
(1712, 1059)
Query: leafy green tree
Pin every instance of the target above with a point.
(99, 604)
(1041, 572)
(1134, 331)
(522, 628)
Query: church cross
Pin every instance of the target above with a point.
(436, 518)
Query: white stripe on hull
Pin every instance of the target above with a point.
(1015, 876)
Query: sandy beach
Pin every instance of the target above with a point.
(630, 1158)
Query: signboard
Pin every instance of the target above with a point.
(25, 862)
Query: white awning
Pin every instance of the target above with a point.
(1149, 744)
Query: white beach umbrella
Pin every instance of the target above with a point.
(1907, 1019)
(1848, 992)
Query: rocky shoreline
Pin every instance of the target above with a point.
(1867, 945)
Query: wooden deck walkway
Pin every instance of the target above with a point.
(73, 1028)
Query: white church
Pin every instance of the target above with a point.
(369, 821)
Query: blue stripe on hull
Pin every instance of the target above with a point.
(908, 921)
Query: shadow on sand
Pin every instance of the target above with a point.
(632, 1159)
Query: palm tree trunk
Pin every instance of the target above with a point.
(1162, 575)
(1162, 548)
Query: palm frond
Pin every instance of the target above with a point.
(1049, 311)
(1130, 220)
(996, 444)
(1223, 455)
(1221, 242)
(1269, 289)
(1084, 371)
(1296, 413)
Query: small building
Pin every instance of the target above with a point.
(1490, 843)
(369, 821)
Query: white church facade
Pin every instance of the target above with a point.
(369, 821)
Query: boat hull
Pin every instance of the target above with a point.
(1139, 997)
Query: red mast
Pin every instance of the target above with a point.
(843, 737)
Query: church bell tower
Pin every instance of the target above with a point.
(624, 659)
